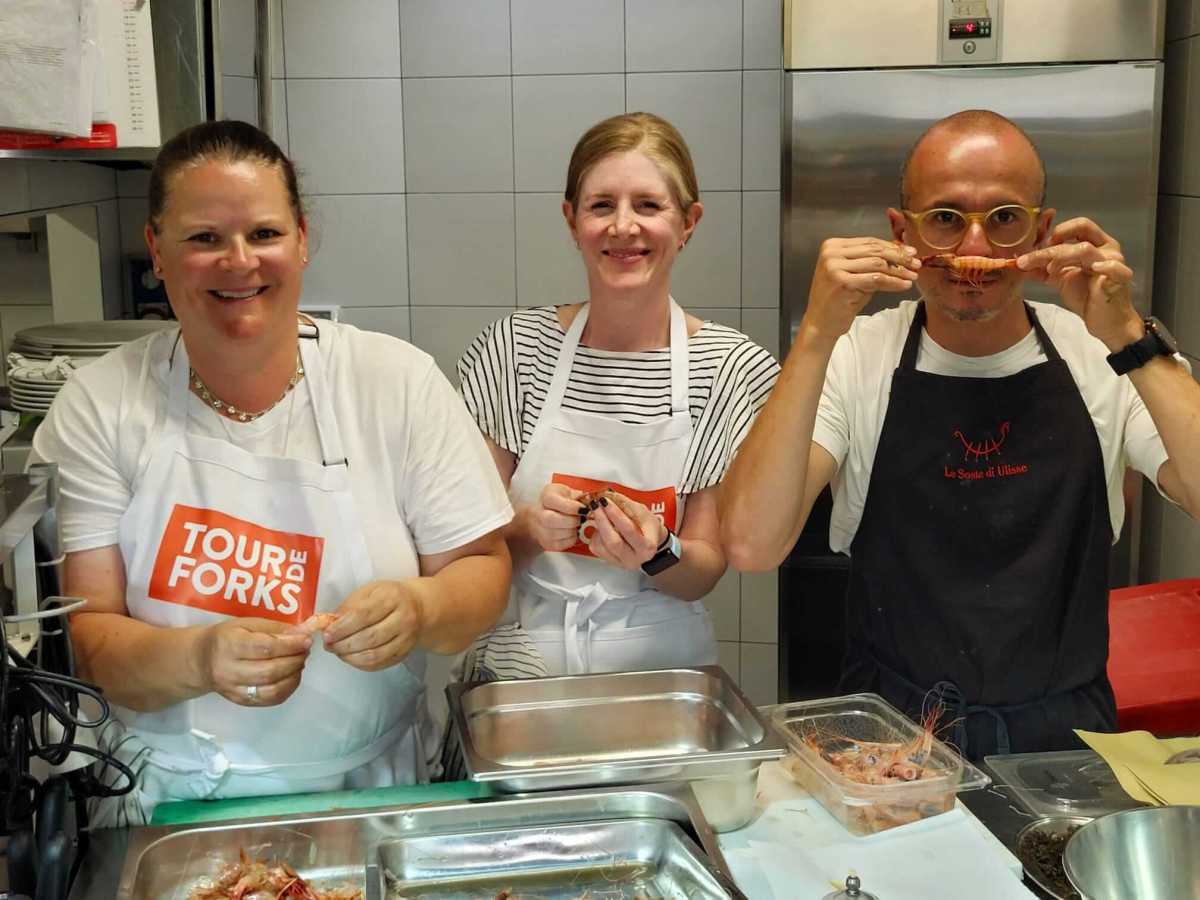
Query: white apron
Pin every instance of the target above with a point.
(583, 614)
(214, 531)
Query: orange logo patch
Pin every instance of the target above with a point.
(215, 562)
(662, 502)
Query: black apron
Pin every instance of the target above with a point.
(979, 572)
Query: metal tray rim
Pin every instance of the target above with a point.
(482, 769)
(677, 795)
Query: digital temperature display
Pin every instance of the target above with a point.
(962, 29)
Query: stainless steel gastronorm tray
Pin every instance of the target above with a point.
(616, 728)
(359, 847)
(618, 860)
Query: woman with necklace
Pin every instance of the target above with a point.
(272, 520)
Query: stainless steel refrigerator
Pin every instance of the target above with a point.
(864, 78)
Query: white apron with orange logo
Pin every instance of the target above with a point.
(583, 614)
(215, 531)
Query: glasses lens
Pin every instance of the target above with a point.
(942, 229)
(1007, 226)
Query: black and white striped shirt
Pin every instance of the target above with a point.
(506, 372)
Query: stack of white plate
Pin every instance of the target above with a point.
(80, 342)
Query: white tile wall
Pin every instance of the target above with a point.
(347, 39)
(436, 195)
(708, 270)
(391, 320)
(762, 23)
(724, 606)
(762, 100)
(358, 253)
(548, 266)
(760, 249)
(556, 36)
(445, 332)
(706, 107)
(459, 134)
(347, 134)
(461, 250)
(550, 112)
(439, 38)
(762, 326)
(759, 675)
(683, 35)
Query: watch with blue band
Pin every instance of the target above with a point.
(669, 552)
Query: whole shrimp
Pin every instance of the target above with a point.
(971, 269)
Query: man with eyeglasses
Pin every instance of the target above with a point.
(976, 444)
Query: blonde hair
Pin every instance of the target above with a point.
(647, 133)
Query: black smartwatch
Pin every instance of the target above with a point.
(669, 553)
(1157, 341)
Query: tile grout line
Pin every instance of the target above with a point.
(512, 105)
(408, 278)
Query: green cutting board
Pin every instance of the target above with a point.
(193, 812)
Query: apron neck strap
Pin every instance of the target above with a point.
(679, 361)
(908, 358)
(566, 358)
(314, 376)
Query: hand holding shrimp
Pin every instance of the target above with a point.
(553, 522)
(1088, 269)
(849, 272)
(377, 626)
(627, 534)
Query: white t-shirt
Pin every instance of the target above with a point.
(859, 380)
(411, 445)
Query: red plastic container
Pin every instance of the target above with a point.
(1154, 656)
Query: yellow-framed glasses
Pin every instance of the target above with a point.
(1005, 226)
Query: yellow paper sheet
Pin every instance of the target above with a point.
(1138, 759)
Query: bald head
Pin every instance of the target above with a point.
(978, 126)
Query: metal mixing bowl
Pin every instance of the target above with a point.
(1147, 854)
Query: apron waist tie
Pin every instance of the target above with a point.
(950, 696)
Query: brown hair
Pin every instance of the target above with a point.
(646, 133)
(969, 121)
(227, 140)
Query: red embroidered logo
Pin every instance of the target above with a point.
(974, 452)
(981, 452)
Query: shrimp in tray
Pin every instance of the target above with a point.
(971, 269)
(878, 762)
(257, 879)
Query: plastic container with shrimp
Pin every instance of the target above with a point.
(817, 728)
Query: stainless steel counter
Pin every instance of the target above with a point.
(101, 872)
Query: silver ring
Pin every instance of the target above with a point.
(252, 692)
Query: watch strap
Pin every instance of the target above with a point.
(1135, 355)
(670, 551)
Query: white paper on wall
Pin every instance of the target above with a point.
(127, 94)
(44, 84)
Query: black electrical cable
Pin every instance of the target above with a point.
(32, 696)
